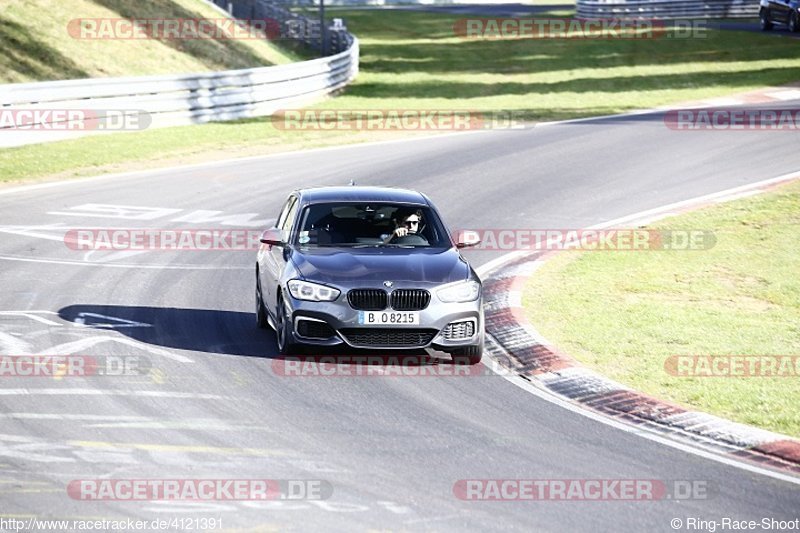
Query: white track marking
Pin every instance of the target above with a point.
(11, 345)
(27, 452)
(634, 430)
(528, 386)
(234, 219)
(80, 345)
(786, 94)
(138, 422)
(722, 101)
(112, 256)
(124, 212)
(653, 214)
(72, 417)
(111, 392)
(35, 231)
(33, 316)
(80, 321)
(120, 265)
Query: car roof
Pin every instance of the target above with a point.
(359, 193)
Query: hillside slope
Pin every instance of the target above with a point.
(37, 46)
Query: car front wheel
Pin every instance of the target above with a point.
(763, 17)
(261, 312)
(793, 26)
(283, 329)
(468, 355)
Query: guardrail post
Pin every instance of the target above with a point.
(323, 33)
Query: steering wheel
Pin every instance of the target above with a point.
(410, 239)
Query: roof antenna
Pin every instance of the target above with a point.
(352, 183)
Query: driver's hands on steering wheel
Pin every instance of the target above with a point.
(402, 231)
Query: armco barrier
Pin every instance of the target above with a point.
(174, 100)
(588, 9)
(666, 9)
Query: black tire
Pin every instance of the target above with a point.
(763, 17)
(261, 312)
(468, 355)
(793, 26)
(283, 330)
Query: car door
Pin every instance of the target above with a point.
(275, 257)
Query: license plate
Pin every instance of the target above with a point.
(382, 318)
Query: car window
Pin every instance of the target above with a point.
(286, 225)
(360, 224)
(284, 211)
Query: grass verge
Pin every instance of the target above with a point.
(624, 313)
(413, 60)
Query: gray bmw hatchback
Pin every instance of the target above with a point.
(371, 268)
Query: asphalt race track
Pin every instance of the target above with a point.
(392, 448)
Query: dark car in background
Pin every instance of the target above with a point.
(332, 272)
(785, 12)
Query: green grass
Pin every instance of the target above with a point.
(38, 47)
(412, 60)
(625, 313)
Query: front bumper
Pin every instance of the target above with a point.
(343, 320)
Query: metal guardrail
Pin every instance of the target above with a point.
(172, 100)
(666, 9)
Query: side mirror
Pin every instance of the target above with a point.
(272, 237)
(467, 238)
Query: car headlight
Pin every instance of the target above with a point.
(314, 292)
(463, 291)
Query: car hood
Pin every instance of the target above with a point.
(375, 265)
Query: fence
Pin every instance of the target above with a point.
(294, 26)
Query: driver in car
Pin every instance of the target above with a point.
(407, 222)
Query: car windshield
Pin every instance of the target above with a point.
(370, 225)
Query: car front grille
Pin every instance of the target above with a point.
(367, 299)
(388, 337)
(409, 299)
(399, 299)
(459, 330)
(314, 330)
